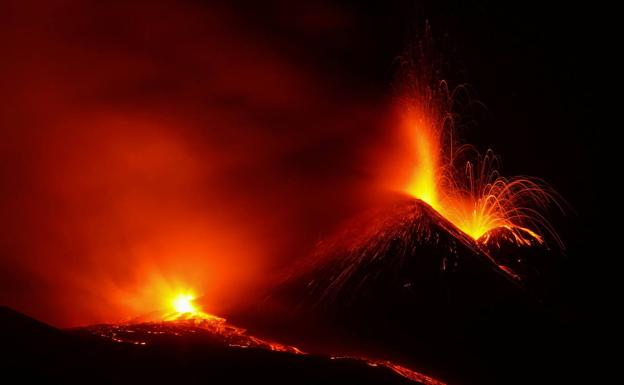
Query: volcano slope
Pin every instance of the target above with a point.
(408, 284)
(168, 352)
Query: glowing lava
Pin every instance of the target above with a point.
(423, 183)
(466, 187)
(183, 303)
(183, 307)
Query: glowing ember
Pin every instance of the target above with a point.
(183, 303)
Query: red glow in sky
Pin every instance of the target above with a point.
(154, 147)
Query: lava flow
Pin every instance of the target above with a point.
(184, 317)
(188, 320)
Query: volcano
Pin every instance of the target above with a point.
(400, 293)
(408, 281)
(413, 250)
(409, 257)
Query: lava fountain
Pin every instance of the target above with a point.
(463, 185)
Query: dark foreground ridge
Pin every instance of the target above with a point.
(177, 351)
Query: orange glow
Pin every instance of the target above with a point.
(182, 306)
(398, 369)
(131, 193)
(466, 187)
(423, 183)
(183, 303)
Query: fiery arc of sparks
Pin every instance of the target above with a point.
(467, 189)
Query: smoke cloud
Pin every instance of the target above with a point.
(154, 146)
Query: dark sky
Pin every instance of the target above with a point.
(151, 146)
